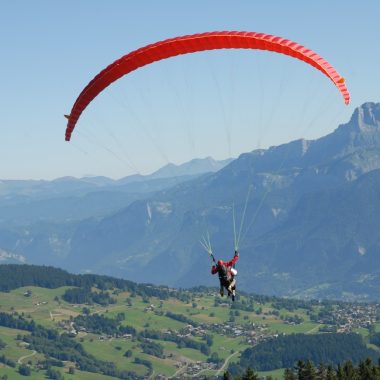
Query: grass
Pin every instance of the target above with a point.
(362, 331)
(107, 350)
(140, 320)
(281, 327)
(162, 366)
(40, 305)
(113, 350)
(189, 353)
(13, 374)
(223, 345)
(45, 310)
(81, 375)
(13, 350)
(276, 374)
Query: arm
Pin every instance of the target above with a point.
(214, 269)
(233, 261)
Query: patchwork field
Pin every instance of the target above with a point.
(199, 334)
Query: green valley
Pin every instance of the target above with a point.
(131, 331)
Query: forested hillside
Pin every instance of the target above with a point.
(62, 325)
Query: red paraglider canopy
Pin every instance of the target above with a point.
(191, 44)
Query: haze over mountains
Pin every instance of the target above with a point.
(311, 225)
(69, 198)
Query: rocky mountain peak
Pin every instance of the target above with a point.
(365, 118)
(362, 131)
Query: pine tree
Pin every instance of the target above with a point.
(367, 370)
(340, 373)
(310, 372)
(321, 372)
(250, 375)
(330, 373)
(349, 371)
(300, 369)
(289, 375)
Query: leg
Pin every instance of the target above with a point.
(225, 284)
(231, 285)
(221, 289)
(233, 288)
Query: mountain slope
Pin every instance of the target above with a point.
(327, 247)
(153, 237)
(310, 226)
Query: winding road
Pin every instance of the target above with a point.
(19, 361)
(228, 358)
(222, 368)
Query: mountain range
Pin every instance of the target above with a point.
(306, 218)
(69, 198)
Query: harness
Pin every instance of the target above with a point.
(224, 275)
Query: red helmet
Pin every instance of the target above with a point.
(220, 262)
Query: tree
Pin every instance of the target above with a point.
(321, 371)
(371, 329)
(208, 339)
(366, 370)
(128, 301)
(289, 375)
(349, 371)
(330, 373)
(305, 371)
(340, 373)
(128, 353)
(310, 372)
(24, 370)
(54, 374)
(120, 317)
(214, 358)
(227, 376)
(250, 375)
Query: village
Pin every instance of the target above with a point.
(347, 317)
(341, 318)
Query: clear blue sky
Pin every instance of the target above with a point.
(216, 103)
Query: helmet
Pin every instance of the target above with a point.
(220, 262)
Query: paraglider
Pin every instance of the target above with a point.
(192, 44)
(196, 43)
(226, 273)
